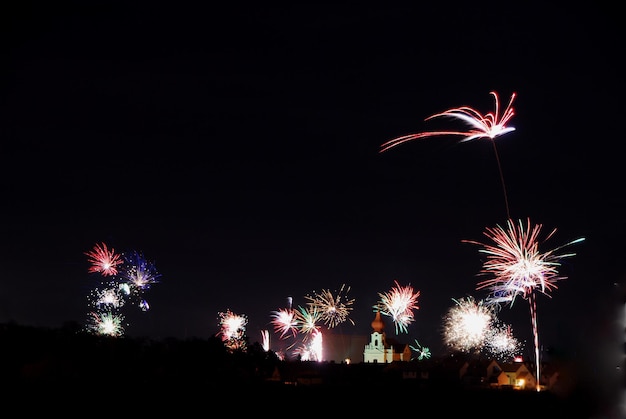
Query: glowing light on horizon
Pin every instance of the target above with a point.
(399, 303)
(518, 268)
(103, 260)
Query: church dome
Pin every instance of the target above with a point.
(377, 323)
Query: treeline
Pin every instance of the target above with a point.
(70, 356)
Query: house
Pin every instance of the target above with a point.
(381, 349)
(516, 375)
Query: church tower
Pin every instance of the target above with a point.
(383, 350)
(377, 350)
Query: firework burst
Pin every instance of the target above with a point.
(472, 326)
(284, 322)
(399, 303)
(307, 320)
(233, 330)
(139, 273)
(422, 351)
(517, 267)
(515, 264)
(107, 323)
(489, 126)
(466, 325)
(103, 260)
(132, 277)
(111, 296)
(333, 309)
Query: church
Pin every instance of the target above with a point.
(381, 349)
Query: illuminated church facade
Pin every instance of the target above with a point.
(381, 349)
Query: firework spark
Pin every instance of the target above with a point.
(333, 309)
(399, 303)
(103, 260)
(518, 268)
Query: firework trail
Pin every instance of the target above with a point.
(489, 126)
(265, 339)
(333, 309)
(103, 260)
(399, 303)
(517, 267)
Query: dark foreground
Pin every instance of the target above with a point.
(183, 398)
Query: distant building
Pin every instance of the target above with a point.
(381, 349)
(343, 348)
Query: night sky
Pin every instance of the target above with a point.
(237, 148)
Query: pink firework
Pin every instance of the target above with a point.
(515, 263)
(490, 126)
(103, 260)
(284, 321)
(399, 303)
(519, 268)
